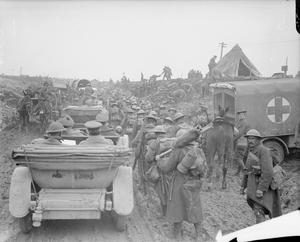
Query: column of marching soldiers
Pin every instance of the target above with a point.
(169, 153)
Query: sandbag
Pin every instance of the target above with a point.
(278, 177)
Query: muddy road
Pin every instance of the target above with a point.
(224, 210)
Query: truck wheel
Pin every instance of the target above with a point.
(25, 223)
(276, 149)
(120, 222)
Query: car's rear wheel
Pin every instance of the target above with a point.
(25, 223)
(119, 222)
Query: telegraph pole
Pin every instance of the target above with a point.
(223, 45)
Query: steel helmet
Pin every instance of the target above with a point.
(178, 116)
(55, 127)
(102, 117)
(169, 119)
(150, 116)
(153, 113)
(66, 121)
(119, 128)
(141, 112)
(253, 132)
(218, 119)
(158, 129)
(241, 111)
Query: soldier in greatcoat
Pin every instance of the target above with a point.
(257, 179)
(184, 202)
(140, 142)
(153, 150)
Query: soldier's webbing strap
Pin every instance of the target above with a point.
(27, 161)
(172, 185)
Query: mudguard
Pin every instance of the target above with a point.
(123, 201)
(20, 192)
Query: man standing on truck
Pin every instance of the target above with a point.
(240, 142)
(211, 65)
(257, 180)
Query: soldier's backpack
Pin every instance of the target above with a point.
(278, 178)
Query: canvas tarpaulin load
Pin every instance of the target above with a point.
(235, 64)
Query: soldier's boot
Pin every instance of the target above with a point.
(177, 232)
(164, 210)
(198, 230)
(259, 215)
(224, 183)
(238, 171)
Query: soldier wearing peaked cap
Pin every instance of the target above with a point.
(95, 138)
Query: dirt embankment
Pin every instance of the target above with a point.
(223, 210)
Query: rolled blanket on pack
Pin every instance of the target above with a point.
(166, 144)
(187, 138)
(150, 136)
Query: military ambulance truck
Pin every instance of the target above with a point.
(272, 105)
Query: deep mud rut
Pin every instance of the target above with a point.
(224, 210)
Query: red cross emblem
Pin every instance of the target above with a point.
(278, 109)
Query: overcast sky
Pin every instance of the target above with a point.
(103, 40)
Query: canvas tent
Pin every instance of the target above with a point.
(235, 64)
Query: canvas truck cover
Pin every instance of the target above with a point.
(273, 105)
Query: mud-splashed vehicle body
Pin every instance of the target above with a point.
(70, 182)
